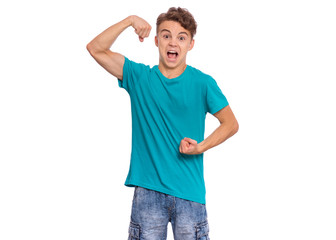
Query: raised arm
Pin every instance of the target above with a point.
(227, 128)
(99, 47)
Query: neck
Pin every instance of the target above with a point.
(172, 72)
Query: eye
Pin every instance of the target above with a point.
(181, 38)
(165, 36)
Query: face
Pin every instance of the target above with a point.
(173, 42)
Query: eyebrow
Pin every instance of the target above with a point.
(170, 32)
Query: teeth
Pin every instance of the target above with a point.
(172, 52)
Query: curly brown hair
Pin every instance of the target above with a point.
(180, 15)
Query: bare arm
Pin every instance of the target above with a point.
(227, 128)
(99, 47)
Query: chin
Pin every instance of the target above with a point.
(174, 64)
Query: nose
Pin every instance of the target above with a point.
(172, 42)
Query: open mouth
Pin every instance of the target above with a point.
(172, 54)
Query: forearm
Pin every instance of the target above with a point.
(105, 40)
(227, 128)
(221, 134)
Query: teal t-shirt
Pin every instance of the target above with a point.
(164, 111)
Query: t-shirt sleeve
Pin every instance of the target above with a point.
(132, 72)
(215, 99)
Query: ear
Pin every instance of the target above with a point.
(156, 41)
(191, 44)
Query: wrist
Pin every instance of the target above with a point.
(129, 21)
(200, 148)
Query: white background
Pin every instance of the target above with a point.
(65, 126)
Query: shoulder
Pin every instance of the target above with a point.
(200, 76)
(134, 73)
(130, 64)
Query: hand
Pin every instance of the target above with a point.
(189, 146)
(141, 27)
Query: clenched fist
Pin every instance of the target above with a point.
(189, 146)
(141, 27)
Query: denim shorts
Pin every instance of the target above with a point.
(152, 211)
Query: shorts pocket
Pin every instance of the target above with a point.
(134, 231)
(202, 231)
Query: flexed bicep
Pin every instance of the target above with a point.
(99, 47)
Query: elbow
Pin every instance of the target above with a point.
(235, 127)
(93, 48)
(90, 47)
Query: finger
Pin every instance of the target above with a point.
(141, 35)
(182, 146)
(141, 31)
(148, 30)
(192, 141)
(182, 150)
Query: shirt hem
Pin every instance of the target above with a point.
(219, 107)
(165, 191)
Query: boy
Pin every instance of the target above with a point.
(169, 103)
